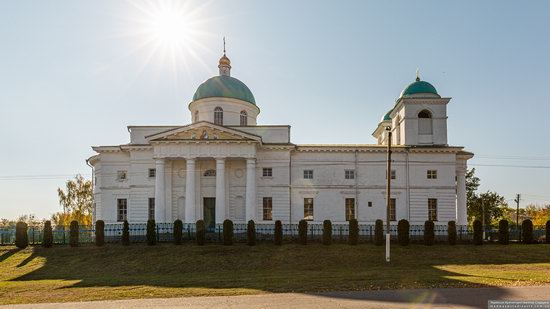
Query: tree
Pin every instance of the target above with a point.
(472, 183)
(538, 214)
(77, 202)
(492, 203)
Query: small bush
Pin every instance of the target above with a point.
(47, 240)
(403, 227)
(278, 237)
(125, 233)
(379, 232)
(151, 233)
(201, 233)
(429, 235)
(478, 233)
(73, 234)
(302, 232)
(451, 233)
(327, 232)
(527, 231)
(548, 232)
(251, 233)
(353, 237)
(503, 232)
(178, 232)
(21, 236)
(227, 232)
(99, 233)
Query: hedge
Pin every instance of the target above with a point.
(478, 233)
(227, 232)
(178, 232)
(327, 232)
(403, 227)
(201, 233)
(379, 232)
(429, 234)
(527, 231)
(548, 232)
(251, 233)
(99, 233)
(125, 233)
(302, 232)
(73, 234)
(21, 236)
(278, 237)
(503, 232)
(451, 233)
(151, 233)
(353, 237)
(47, 240)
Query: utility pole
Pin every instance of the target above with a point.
(483, 217)
(388, 196)
(517, 214)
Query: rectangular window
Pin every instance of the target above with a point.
(349, 174)
(267, 172)
(122, 209)
(152, 173)
(392, 210)
(308, 174)
(369, 204)
(151, 208)
(350, 209)
(308, 209)
(121, 175)
(432, 209)
(432, 174)
(393, 174)
(268, 208)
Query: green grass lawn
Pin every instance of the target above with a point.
(138, 271)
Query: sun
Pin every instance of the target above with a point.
(170, 25)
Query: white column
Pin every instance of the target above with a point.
(461, 212)
(220, 190)
(250, 189)
(160, 204)
(190, 191)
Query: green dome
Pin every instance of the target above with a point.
(224, 86)
(387, 116)
(419, 86)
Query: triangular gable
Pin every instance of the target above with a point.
(202, 131)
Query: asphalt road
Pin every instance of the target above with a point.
(421, 298)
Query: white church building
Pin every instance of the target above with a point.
(226, 166)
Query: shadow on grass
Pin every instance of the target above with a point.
(289, 268)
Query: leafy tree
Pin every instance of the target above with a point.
(77, 202)
(495, 207)
(538, 214)
(472, 183)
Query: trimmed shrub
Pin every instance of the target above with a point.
(379, 232)
(99, 233)
(302, 232)
(429, 234)
(125, 233)
(403, 227)
(21, 236)
(478, 233)
(151, 233)
(73, 234)
(451, 233)
(503, 232)
(353, 237)
(251, 233)
(278, 237)
(178, 232)
(327, 232)
(227, 232)
(47, 240)
(527, 231)
(201, 233)
(548, 232)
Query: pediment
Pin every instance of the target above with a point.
(203, 131)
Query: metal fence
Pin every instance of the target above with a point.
(264, 232)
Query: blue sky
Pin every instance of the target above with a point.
(76, 73)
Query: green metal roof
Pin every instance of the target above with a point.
(418, 86)
(224, 86)
(387, 116)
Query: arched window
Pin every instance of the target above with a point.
(196, 116)
(244, 118)
(218, 116)
(424, 122)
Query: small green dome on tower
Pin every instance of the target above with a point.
(226, 87)
(418, 87)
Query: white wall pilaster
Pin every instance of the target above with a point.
(220, 190)
(250, 189)
(160, 201)
(461, 208)
(190, 203)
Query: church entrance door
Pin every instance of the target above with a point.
(210, 214)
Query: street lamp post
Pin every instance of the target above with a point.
(388, 196)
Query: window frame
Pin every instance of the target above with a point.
(432, 209)
(393, 174)
(349, 203)
(243, 118)
(267, 208)
(152, 173)
(218, 116)
(349, 174)
(122, 175)
(393, 209)
(308, 174)
(309, 208)
(151, 209)
(267, 172)
(431, 174)
(122, 209)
